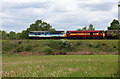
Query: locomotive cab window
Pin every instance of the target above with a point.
(32, 33)
(100, 32)
(38, 33)
(46, 33)
(42, 32)
(114, 31)
(68, 32)
(91, 33)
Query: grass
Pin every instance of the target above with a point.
(60, 66)
(59, 46)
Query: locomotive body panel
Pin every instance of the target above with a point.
(40, 34)
(91, 33)
(112, 33)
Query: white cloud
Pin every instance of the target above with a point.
(25, 1)
(63, 14)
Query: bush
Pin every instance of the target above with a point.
(98, 45)
(114, 47)
(18, 49)
(119, 37)
(6, 46)
(65, 45)
(49, 51)
(61, 45)
(91, 45)
(19, 42)
(106, 48)
(62, 52)
(79, 43)
(28, 47)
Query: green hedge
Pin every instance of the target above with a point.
(52, 47)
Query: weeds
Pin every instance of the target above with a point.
(49, 51)
(60, 46)
(28, 47)
(19, 49)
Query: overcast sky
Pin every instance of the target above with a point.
(17, 15)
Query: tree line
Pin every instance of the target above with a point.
(114, 25)
(39, 25)
(85, 28)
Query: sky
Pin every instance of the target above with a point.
(17, 15)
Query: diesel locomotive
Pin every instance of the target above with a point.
(96, 34)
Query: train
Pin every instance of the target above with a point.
(87, 34)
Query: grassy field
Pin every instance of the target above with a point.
(51, 47)
(60, 66)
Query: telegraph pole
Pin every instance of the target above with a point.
(119, 41)
(119, 11)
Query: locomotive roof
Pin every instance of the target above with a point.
(46, 31)
(113, 30)
(87, 31)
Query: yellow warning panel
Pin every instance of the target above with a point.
(103, 34)
(64, 35)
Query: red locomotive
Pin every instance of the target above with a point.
(86, 34)
(112, 33)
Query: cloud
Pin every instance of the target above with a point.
(64, 14)
(14, 5)
(25, 1)
(98, 6)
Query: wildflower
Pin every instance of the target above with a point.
(12, 71)
(86, 72)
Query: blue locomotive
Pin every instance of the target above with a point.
(46, 34)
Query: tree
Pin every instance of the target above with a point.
(0, 34)
(18, 35)
(84, 28)
(114, 25)
(91, 27)
(24, 34)
(12, 35)
(79, 29)
(37, 26)
(40, 26)
(5, 35)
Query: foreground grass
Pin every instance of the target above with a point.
(60, 66)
